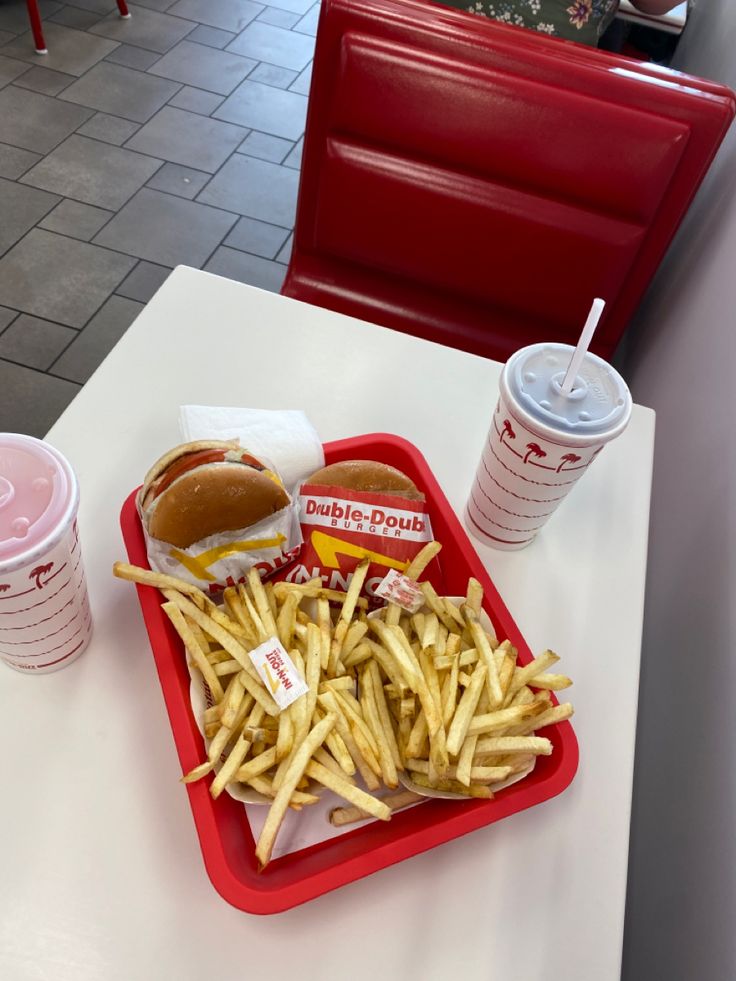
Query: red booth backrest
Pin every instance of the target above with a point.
(478, 185)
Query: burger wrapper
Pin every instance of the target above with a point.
(225, 559)
(341, 527)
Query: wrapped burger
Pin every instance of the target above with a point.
(211, 511)
(358, 509)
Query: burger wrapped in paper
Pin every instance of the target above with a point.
(356, 509)
(211, 511)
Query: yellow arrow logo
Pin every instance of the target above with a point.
(328, 548)
(198, 565)
(273, 682)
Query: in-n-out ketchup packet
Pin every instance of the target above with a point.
(340, 527)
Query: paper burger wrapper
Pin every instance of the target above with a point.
(340, 527)
(222, 560)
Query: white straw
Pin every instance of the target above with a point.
(583, 344)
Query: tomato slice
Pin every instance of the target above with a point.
(186, 463)
(251, 461)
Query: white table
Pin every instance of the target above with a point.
(673, 22)
(102, 877)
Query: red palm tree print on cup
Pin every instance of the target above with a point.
(507, 430)
(39, 571)
(568, 458)
(4, 587)
(533, 449)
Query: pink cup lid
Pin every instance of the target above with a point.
(38, 497)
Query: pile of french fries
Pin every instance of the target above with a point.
(428, 702)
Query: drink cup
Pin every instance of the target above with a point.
(45, 620)
(542, 441)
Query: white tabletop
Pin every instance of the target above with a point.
(673, 22)
(102, 877)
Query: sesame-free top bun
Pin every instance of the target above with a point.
(212, 499)
(205, 488)
(367, 475)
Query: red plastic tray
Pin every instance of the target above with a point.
(224, 833)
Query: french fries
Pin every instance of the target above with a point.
(431, 700)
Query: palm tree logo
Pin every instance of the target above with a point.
(507, 430)
(568, 458)
(39, 571)
(533, 449)
(4, 587)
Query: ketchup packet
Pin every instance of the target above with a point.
(340, 527)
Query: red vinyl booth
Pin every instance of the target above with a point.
(478, 185)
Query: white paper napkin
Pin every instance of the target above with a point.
(284, 436)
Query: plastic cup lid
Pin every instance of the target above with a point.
(38, 495)
(598, 405)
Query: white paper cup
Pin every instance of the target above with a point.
(45, 620)
(541, 442)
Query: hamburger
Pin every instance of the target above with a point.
(207, 488)
(366, 475)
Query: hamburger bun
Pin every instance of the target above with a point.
(367, 475)
(205, 488)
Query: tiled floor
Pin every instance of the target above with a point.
(135, 145)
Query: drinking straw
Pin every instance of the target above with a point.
(583, 344)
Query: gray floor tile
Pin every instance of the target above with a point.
(31, 402)
(246, 268)
(228, 15)
(295, 157)
(281, 78)
(20, 208)
(10, 68)
(188, 139)
(14, 161)
(279, 18)
(308, 23)
(266, 109)
(73, 52)
(92, 345)
(6, 36)
(212, 36)
(160, 5)
(143, 282)
(265, 147)
(36, 122)
(6, 317)
(303, 82)
(132, 57)
(145, 29)
(182, 181)
(58, 278)
(93, 172)
(76, 220)
(285, 253)
(45, 80)
(121, 91)
(255, 188)
(257, 237)
(14, 14)
(203, 67)
(100, 7)
(80, 20)
(264, 42)
(166, 230)
(33, 342)
(293, 6)
(109, 129)
(196, 100)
